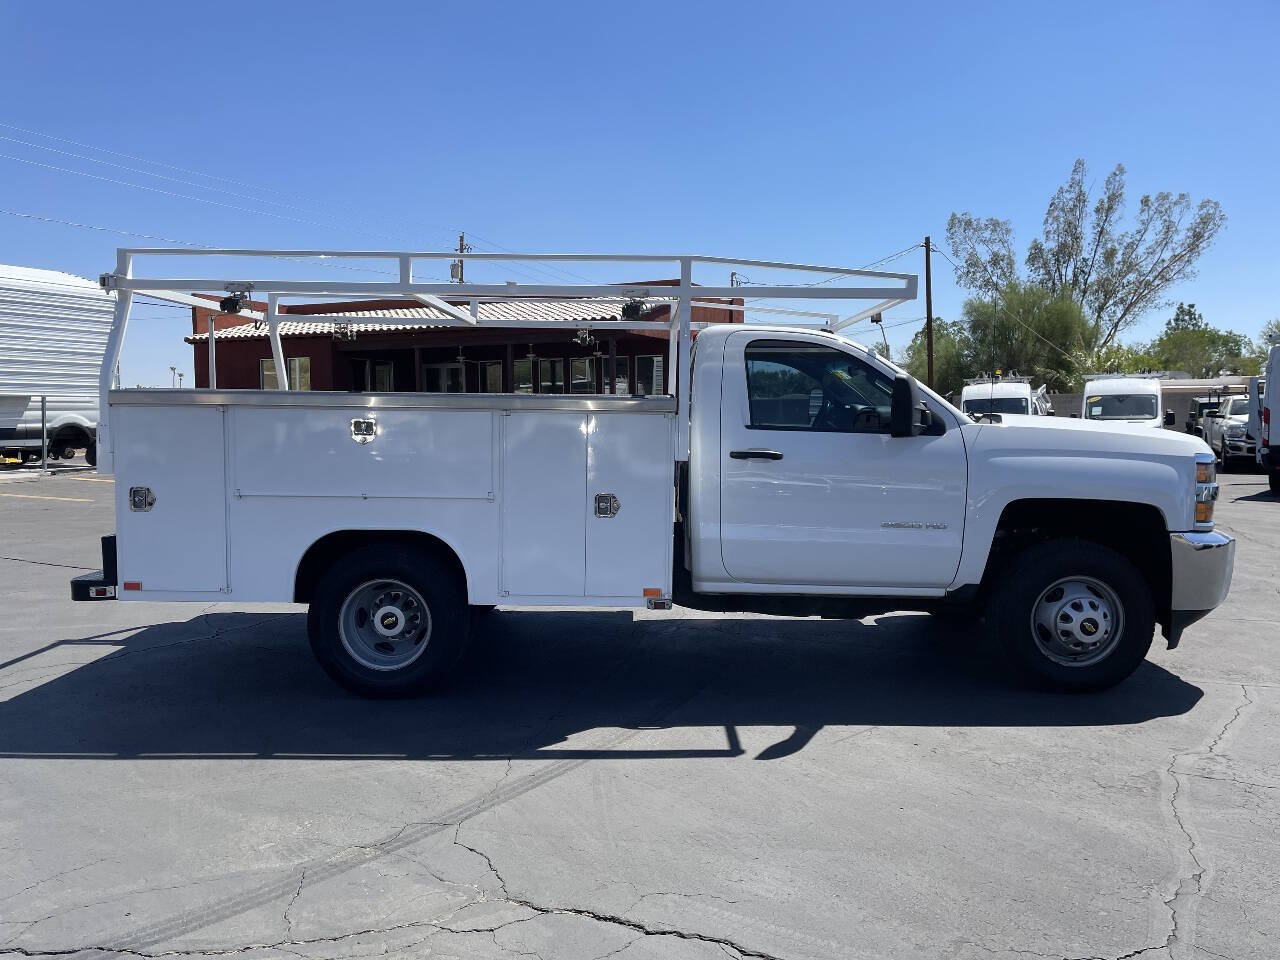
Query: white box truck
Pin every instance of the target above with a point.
(1126, 401)
(53, 329)
(794, 471)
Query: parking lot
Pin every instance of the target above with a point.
(185, 780)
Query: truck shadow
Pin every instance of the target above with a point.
(535, 685)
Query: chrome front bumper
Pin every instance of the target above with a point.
(1201, 566)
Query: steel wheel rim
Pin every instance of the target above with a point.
(384, 624)
(1077, 621)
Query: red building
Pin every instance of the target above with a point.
(403, 345)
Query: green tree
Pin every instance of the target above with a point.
(1119, 358)
(1115, 275)
(1028, 329)
(1189, 343)
(951, 349)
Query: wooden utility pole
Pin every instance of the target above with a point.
(928, 312)
(462, 264)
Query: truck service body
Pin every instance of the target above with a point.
(802, 473)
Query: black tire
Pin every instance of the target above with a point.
(1273, 481)
(1225, 461)
(91, 455)
(444, 640)
(1042, 566)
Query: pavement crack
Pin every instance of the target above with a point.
(288, 921)
(1190, 885)
(47, 563)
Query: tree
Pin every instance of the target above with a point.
(1115, 275)
(1118, 358)
(951, 350)
(1030, 330)
(1189, 343)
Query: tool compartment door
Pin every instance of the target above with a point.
(179, 543)
(544, 461)
(629, 463)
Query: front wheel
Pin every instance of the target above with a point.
(1078, 617)
(388, 621)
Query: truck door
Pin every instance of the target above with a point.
(814, 490)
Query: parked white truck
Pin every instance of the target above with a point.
(1129, 401)
(53, 328)
(802, 474)
(1004, 395)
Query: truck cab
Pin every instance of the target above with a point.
(1014, 395)
(1133, 402)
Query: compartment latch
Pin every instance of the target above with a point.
(141, 499)
(607, 505)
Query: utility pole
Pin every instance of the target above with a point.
(460, 266)
(928, 312)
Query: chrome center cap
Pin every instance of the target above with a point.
(388, 621)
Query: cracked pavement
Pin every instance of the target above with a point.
(183, 781)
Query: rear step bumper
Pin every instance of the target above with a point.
(101, 584)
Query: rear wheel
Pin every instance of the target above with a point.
(1077, 617)
(388, 621)
(91, 455)
(1273, 481)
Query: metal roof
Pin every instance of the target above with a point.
(400, 319)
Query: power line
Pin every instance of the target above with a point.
(999, 301)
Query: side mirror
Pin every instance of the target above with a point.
(908, 415)
(1169, 419)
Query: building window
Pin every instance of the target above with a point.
(299, 374)
(648, 376)
(583, 372)
(551, 376)
(622, 375)
(490, 376)
(523, 371)
(443, 378)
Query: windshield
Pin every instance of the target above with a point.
(1236, 407)
(977, 407)
(1120, 406)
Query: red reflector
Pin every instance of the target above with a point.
(133, 584)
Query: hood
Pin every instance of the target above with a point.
(1110, 437)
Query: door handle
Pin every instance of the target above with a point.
(755, 455)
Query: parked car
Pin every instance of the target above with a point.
(1268, 457)
(53, 328)
(392, 514)
(1226, 431)
(1125, 401)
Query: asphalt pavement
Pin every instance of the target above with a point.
(184, 780)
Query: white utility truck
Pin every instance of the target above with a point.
(982, 396)
(1129, 401)
(801, 474)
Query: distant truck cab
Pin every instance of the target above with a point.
(1127, 401)
(1004, 395)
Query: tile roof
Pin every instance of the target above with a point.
(400, 319)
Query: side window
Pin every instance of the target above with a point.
(807, 386)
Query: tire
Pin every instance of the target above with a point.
(1107, 589)
(1224, 461)
(424, 627)
(1273, 481)
(91, 455)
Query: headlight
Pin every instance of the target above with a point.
(1236, 431)
(1206, 490)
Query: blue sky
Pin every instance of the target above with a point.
(822, 133)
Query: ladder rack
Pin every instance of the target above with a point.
(883, 289)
